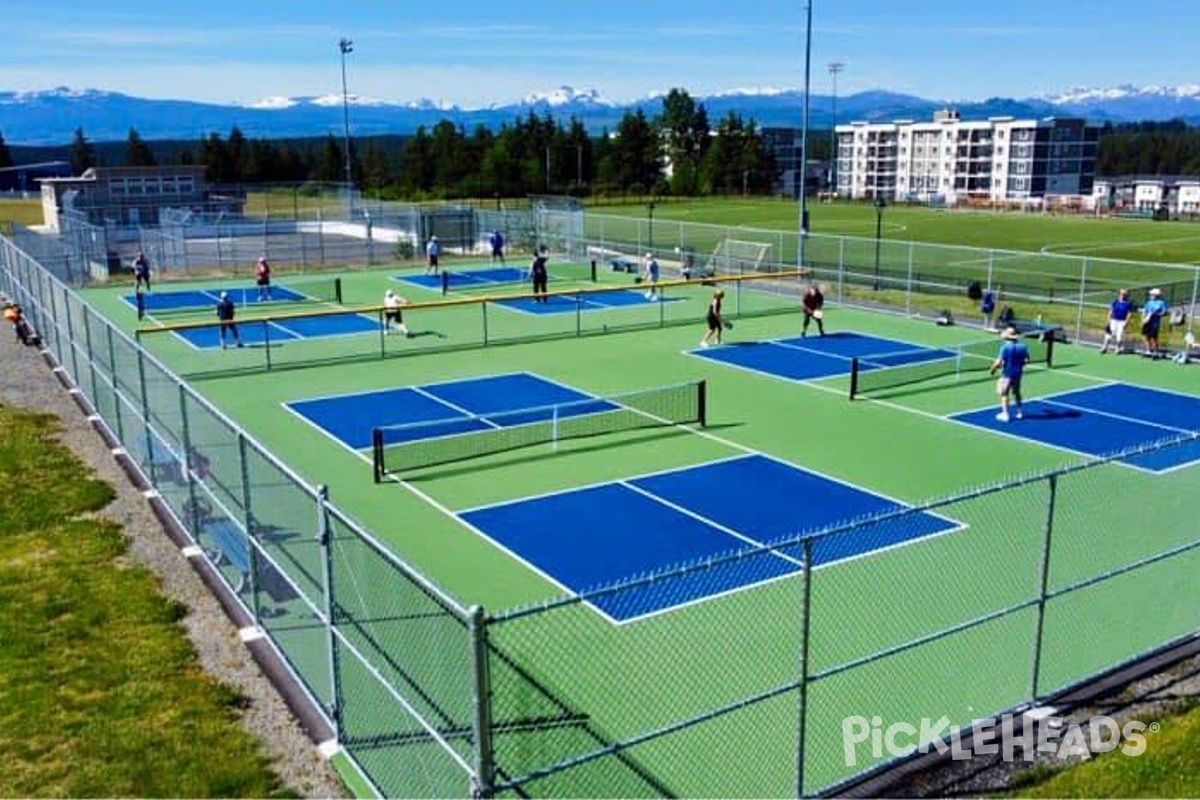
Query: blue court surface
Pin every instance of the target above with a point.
(809, 358)
(555, 304)
(444, 409)
(469, 278)
(1105, 420)
(255, 333)
(207, 298)
(601, 535)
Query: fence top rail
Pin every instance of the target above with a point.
(476, 300)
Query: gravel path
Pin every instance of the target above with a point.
(27, 382)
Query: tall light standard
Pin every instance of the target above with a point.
(346, 46)
(880, 204)
(834, 68)
(650, 215)
(804, 136)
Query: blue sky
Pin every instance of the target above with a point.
(478, 53)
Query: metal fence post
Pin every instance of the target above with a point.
(1191, 321)
(484, 767)
(193, 508)
(1082, 299)
(141, 360)
(112, 363)
(908, 295)
(71, 338)
(91, 358)
(251, 526)
(325, 539)
(841, 281)
(802, 685)
(1043, 581)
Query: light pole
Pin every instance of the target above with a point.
(880, 204)
(650, 236)
(834, 68)
(804, 136)
(346, 46)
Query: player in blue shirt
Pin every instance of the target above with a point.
(1118, 316)
(497, 240)
(1152, 313)
(1011, 361)
(651, 275)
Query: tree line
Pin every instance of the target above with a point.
(677, 151)
(674, 152)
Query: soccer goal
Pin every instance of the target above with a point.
(739, 257)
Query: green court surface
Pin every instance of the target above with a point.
(706, 692)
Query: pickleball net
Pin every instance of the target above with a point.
(489, 279)
(399, 449)
(301, 290)
(881, 372)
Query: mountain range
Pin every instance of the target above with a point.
(51, 117)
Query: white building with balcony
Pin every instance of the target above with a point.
(954, 160)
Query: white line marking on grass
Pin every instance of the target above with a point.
(1075, 248)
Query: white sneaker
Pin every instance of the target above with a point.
(704, 344)
(1019, 414)
(1002, 416)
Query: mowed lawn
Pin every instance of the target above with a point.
(103, 693)
(1122, 239)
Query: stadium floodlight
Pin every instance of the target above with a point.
(346, 46)
(804, 137)
(834, 68)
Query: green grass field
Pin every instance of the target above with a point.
(104, 693)
(1118, 239)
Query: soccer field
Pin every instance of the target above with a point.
(1103, 238)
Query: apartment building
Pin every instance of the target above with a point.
(951, 160)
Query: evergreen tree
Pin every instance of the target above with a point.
(137, 152)
(6, 159)
(636, 158)
(83, 154)
(685, 128)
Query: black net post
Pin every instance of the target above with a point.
(377, 454)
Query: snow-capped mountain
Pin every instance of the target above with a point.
(51, 117)
(567, 96)
(1132, 103)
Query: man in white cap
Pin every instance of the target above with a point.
(225, 314)
(433, 251)
(1152, 313)
(393, 318)
(1010, 361)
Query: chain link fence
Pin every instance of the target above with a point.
(747, 693)
(1070, 292)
